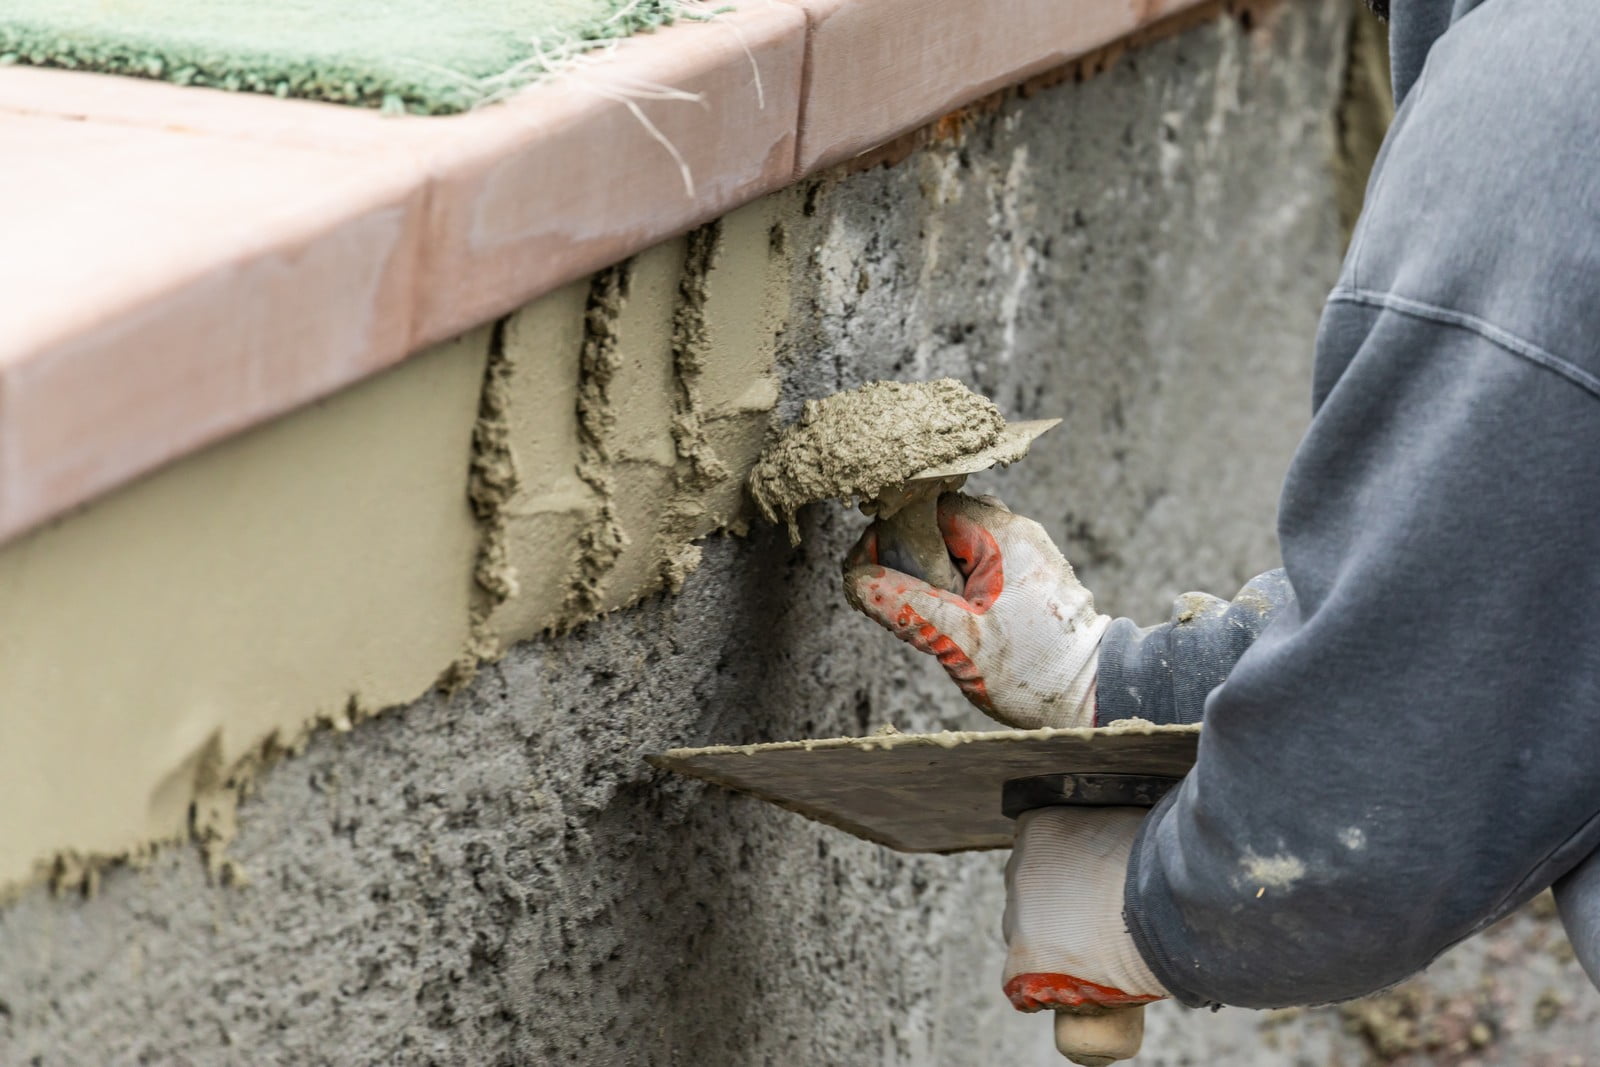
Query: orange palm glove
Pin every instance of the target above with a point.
(1022, 642)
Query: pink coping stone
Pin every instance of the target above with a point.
(160, 290)
(879, 68)
(565, 178)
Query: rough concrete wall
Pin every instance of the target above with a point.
(498, 878)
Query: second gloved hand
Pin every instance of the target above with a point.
(1067, 946)
(1022, 642)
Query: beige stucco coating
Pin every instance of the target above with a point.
(673, 405)
(157, 647)
(316, 567)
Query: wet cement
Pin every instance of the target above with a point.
(853, 445)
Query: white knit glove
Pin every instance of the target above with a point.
(1023, 641)
(1066, 942)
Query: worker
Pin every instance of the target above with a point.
(1402, 726)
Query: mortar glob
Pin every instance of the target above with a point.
(894, 447)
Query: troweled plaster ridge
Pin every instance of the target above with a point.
(492, 481)
(602, 540)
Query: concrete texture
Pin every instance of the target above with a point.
(498, 878)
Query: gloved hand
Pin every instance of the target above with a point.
(1067, 945)
(1022, 643)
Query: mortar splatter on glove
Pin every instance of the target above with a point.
(1067, 945)
(1023, 641)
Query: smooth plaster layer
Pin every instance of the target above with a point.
(500, 878)
(304, 573)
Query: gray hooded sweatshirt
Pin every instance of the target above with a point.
(1402, 727)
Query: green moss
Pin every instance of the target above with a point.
(420, 56)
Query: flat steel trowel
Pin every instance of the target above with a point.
(958, 792)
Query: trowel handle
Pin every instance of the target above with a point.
(1091, 1036)
(910, 541)
(1106, 1036)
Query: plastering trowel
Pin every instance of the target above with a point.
(958, 792)
(894, 447)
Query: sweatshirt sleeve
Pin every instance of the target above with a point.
(1164, 673)
(1407, 751)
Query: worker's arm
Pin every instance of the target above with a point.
(1406, 753)
(1164, 673)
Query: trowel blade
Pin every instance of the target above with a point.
(1013, 442)
(929, 792)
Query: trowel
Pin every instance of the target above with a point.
(942, 792)
(959, 792)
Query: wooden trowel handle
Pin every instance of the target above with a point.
(1105, 1037)
(909, 541)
